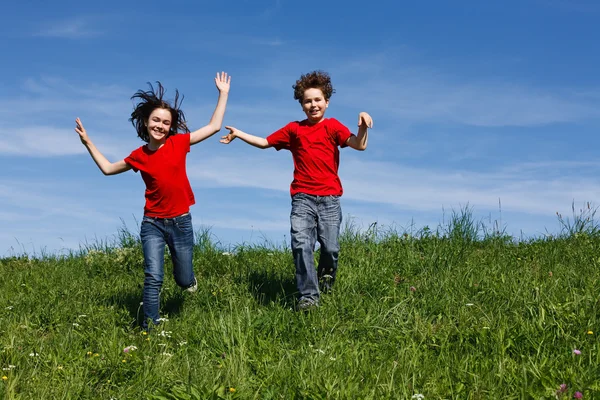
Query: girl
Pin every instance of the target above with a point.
(161, 162)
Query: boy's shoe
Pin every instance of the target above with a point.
(326, 283)
(307, 304)
(193, 287)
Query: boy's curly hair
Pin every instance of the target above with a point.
(151, 100)
(313, 80)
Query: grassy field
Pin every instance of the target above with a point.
(455, 313)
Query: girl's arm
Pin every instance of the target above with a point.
(255, 141)
(359, 142)
(223, 83)
(105, 166)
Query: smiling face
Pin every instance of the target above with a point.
(159, 125)
(314, 105)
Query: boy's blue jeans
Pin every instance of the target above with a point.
(315, 218)
(178, 234)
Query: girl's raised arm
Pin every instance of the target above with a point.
(223, 82)
(105, 166)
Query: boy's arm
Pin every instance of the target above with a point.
(255, 141)
(223, 84)
(105, 166)
(359, 142)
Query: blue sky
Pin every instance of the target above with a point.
(473, 103)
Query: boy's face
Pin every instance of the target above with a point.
(314, 105)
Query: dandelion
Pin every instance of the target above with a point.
(4, 378)
(60, 367)
(96, 355)
(147, 339)
(144, 333)
(577, 352)
(590, 332)
(123, 360)
(129, 349)
(578, 395)
(231, 390)
(89, 353)
(413, 289)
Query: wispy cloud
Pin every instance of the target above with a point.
(72, 28)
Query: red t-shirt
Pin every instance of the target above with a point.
(168, 190)
(316, 154)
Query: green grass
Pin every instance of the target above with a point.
(457, 313)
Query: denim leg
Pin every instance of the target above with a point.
(303, 221)
(181, 246)
(328, 229)
(153, 245)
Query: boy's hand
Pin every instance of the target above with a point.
(230, 136)
(223, 82)
(365, 120)
(81, 131)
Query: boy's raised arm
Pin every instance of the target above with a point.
(255, 141)
(359, 142)
(105, 166)
(223, 82)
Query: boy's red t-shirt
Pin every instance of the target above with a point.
(168, 190)
(316, 155)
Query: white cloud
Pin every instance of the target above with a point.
(72, 28)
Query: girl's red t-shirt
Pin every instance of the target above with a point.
(168, 190)
(316, 155)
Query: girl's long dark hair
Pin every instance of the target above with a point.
(148, 101)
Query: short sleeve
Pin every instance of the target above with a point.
(281, 139)
(134, 160)
(182, 141)
(339, 132)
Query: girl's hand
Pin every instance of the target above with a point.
(230, 136)
(223, 82)
(365, 120)
(81, 131)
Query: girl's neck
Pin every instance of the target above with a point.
(155, 145)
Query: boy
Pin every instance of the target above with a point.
(316, 189)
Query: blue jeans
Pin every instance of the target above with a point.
(178, 234)
(315, 218)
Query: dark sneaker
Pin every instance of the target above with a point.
(326, 283)
(193, 287)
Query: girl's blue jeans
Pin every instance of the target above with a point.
(177, 233)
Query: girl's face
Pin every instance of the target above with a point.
(159, 125)
(314, 105)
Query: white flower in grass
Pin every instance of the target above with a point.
(75, 324)
(228, 254)
(182, 343)
(34, 354)
(9, 308)
(469, 304)
(162, 344)
(165, 334)
(163, 320)
(9, 367)
(332, 358)
(129, 349)
(81, 316)
(166, 354)
(418, 396)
